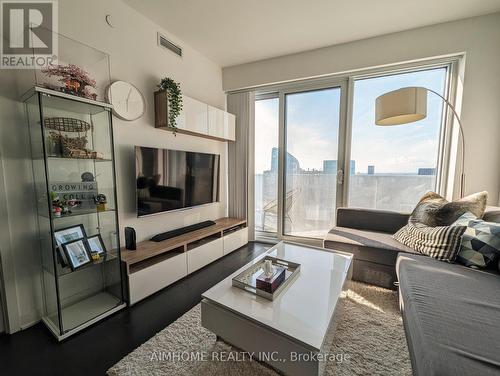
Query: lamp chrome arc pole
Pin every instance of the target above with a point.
(461, 131)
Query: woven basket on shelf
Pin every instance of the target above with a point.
(65, 124)
(64, 145)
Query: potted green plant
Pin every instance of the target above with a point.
(168, 104)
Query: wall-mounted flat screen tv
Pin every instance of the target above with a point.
(173, 179)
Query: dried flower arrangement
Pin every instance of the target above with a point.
(76, 81)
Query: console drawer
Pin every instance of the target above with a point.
(235, 240)
(147, 281)
(204, 254)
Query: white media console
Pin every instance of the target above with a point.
(155, 265)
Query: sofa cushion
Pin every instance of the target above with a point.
(371, 219)
(480, 242)
(441, 243)
(370, 246)
(492, 214)
(434, 210)
(450, 313)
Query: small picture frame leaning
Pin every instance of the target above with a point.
(69, 234)
(77, 253)
(95, 245)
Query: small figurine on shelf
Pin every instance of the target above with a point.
(72, 85)
(87, 176)
(71, 204)
(65, 209)
(61, 207)
(101, 202)
(96, 257)
(57, 208)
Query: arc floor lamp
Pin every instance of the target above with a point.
(409, 104)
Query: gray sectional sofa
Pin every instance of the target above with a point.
(368, 234)
(451, 313)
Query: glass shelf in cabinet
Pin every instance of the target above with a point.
(79, 213)
(79, 159)
(65, 270)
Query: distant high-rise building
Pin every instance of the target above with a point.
(371, 170)
(427, 171)
(292, 163)
(330, 167)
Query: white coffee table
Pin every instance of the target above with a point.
(290, 331)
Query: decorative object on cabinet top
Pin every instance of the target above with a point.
(128, 102)
(168, 113)
(76, 80)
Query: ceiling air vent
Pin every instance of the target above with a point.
(165, 43)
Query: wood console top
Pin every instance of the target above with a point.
(147, 249)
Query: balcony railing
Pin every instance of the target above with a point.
(311, 197)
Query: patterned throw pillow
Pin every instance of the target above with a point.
(434, 210)
(441, 243)
(480, 242)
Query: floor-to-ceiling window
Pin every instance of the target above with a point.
(309, 137)
(311, 152)
(266, 164)
(394, 165)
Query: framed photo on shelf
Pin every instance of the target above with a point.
(96, 245)
(77, 254)
(69, 234)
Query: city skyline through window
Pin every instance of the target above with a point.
(390, 166)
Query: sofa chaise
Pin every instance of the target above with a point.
(451, 313)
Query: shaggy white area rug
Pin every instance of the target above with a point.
(368, 340)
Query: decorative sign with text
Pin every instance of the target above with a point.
(82, 192)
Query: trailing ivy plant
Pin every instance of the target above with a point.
(173, 100)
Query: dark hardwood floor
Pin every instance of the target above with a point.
(35, 351)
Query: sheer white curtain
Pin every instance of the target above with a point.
(240, 157)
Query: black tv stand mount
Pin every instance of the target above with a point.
(181, 231)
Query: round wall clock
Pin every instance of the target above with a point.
(128, 102)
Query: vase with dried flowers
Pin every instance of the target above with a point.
(76, 81)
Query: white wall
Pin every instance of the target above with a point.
(478, 37)
(136, 58)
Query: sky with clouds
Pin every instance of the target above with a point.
(313, 124)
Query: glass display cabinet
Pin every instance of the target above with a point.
(74, 175)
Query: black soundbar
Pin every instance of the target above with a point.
(180, 231)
